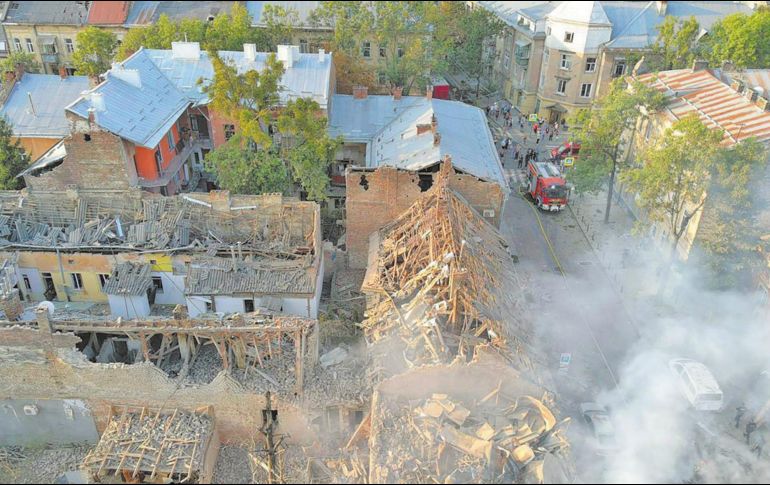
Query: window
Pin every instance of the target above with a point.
(103, 279)
(157, 283)
(382, 52)
(400, 52)
(158, 161)
(77, 281)
(303, 46)
(3, 47)
(648, 130)
(170, 139)
(229, 131)
(27, 284)
(620, 68)
(565, 63)
(248, 306)
(17, 44)
(561, 86)
(164, 191)
(366, 50)
(50, 48)
(548, 31)
(590, 64)
(569, 36)
(69, 46)
(585, 90)
(30, 47)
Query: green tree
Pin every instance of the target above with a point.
(740, 39)
(24, 58)
(229, 32)
(600, 131)
(475, 28)
(95, 51)
(728, 231)
(398, 35)
(248, 98)
(307, 146)
(676, 46)
(13, 159)
(672, 180)
(244, 171)
(279, 24)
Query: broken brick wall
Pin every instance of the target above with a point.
(96, 160)
(38, 366)
(376, 197)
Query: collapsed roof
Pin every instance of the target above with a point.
(440, 281)
(400, 133)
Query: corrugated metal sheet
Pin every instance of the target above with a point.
(129, 279)
(713, 101)
(308, 77)
(50, 95)
(148, 12)
(108, 13)
(52, 13)
(465, 135)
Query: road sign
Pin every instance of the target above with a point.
(564, 362)
(533, 117)
(569, 161)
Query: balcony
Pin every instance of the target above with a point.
(50, 58)
(183, 151)
(202, 139)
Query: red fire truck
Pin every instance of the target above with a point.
(547, 186)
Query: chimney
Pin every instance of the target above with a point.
(700, 65)
(436, 139)
(288, 54)
(397, 93)
(423, 128)
(97, 101)
(62, 72)
(250, 52)
(662, 8)
(321, 55)
(93, 81)
(737, 86)
(360, 92)
(429, 92)
(186, 50)
(19, 71)
(763, 103)
(91, 117)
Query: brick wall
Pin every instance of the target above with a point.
(375, 198)
(95, 160)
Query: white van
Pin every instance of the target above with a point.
(698, 384)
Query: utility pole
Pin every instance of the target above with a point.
(274, 465)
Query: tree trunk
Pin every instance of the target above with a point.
(609, 192)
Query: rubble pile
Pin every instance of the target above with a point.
(443, 440)
(440, 283)
(153, 442)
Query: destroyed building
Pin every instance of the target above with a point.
(212, 252)
(438, 283)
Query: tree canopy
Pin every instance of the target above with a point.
(244, 171)
(13, 159)
(674, 174)
(228, 31)
(251, 98)
(741, 39)
(676, 46)
(600, 131)
(95, 51)
(24, 58)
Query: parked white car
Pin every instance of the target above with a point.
(698, 384)
(598, 420)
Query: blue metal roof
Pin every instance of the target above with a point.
(50, 95)
(390, 127)
(140, 104)
(143, 97)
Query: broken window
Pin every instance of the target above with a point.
(87, 137)
(157, 283)
(27, 284)
(248, 305)
(426, 181)
(364, 183)
(229, 131)
(103, 279)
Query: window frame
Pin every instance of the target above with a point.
(563, 83)
(77, 281)
(27, 282)
(229, 130)
(170, 139)
(583, 88)
(569, 37)
(366, 49)
(157, 283)
(591, 63)
(619, 63)
(159, 160)
(104, 278)
(17, 44)
(30, 46)
(69, 46)
(565, 63)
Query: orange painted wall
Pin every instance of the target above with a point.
(217, 128)
(145, 157)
